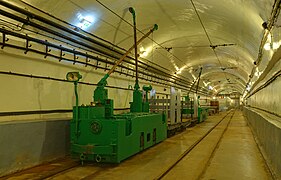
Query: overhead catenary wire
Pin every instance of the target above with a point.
(33, 24)
(178, 84)
(30, 39)
(158, 44)
(47, 36)
(207, 35)
(199, 46)
(70, 24)
(152, 39)
(40, 18)
(86, 32)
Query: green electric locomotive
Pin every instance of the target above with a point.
(99, 135)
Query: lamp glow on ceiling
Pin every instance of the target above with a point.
(248, 87)
(84, 22)
(269, 46)
(144, 52)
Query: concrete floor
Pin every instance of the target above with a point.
(235, 156)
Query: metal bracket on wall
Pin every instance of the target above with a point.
(126, 70)
(61, 54)
(75, 57)
(27, 45)
(76, 39)
(47, 50)
(97, 64)
(4, 40)
(87, 60)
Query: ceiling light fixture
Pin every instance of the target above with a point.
(85, 21)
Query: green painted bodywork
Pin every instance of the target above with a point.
(202, 114)
(136, 105)
(187, 111)
(100, 93)
(113, 139)
(99, 135)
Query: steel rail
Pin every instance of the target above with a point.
(40, 172)
(61, 171)
(166, 171)
(215, 148)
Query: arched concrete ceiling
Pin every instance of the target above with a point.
(225, 87)
(228, 90)
(180, 45)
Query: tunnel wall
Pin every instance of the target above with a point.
(264, 113)
(22, 93)
(27, 140)
(267, 130)
(28, 143)
(265, 94)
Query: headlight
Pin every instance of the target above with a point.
(73, 76)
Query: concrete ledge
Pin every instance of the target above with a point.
(25, 144)
(267, 129)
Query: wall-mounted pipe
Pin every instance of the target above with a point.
(87, 83)
(51, 111)
(10, 15)
(58, 26)
(30, 39)
(64, 80)
(65, 29)
(268, 82)
(269, 25)
(91, 34)
(67, 23)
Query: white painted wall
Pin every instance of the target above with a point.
(268, 98)
(29, 94)
(26, 94)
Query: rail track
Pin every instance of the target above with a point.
(95, 170)
(229, 115)
(59, 168)
(45, 170)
